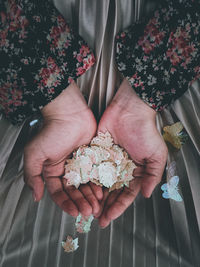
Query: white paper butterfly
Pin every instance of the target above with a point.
(171, 169)
(171, 190)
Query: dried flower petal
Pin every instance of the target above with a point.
(103, 140)
(83, 223)
(102, 163)
(70, 245)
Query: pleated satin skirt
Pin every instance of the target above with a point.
(153, 232)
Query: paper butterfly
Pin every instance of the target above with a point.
(175, 135)
(171, 190)
(171, 169)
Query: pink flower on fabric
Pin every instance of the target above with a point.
(25, 61)
(136, 81)
(70, 80)
(3, 17)
(89, 61)
(79, 57)
(61, 22)
(59, 39)
(50, 76)
(10, 95)
(181, 49)
(197, 69)
(174, 58)
(172, 70)
(123, 34)
(145, 58)
(152, 36)
(84, 51)
(3, 38)
(80, 71)
(51, 90)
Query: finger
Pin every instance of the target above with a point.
(152, 177)
(78, 198)
(90, 197)
(32, 173)
(121, 203)
(102, 202)
(36, 184)
(111, 199)
(97, 190)
(53, 170)
(139, 171)
(54, 184)
(103, 219)
(148, 185)
(55, 188)
(86, 202)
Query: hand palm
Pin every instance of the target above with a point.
(65, 128)
(138, 135)
(142, 142)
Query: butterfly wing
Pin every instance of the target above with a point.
(176, 196)
(164, 187)
(170, 189)
(171, 169)
(173, 190)
(173, 182)
(166, 195)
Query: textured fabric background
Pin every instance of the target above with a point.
(151, 233)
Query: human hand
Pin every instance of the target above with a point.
(131, 123)
(68, 124)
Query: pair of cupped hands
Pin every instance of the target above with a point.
(68, 124)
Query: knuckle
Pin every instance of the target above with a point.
(131, 192)
(70, 188)
(89, 195)
(56, 195)
(81, 201)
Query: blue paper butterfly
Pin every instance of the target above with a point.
(171, 190)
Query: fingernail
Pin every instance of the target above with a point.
(34, 196)
(100, 195)
(147, 195)
(103, 227)
(96, 215)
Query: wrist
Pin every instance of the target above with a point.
(126, 101)
(69, 102)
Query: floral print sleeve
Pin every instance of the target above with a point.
(39, 56)
(161, 58)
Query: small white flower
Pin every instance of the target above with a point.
(151, 80)
(121, 66)
(102, 162)
(107, 174)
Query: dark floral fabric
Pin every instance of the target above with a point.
(39, 56)
(161, 58)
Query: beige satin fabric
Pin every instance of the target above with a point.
(151, 233)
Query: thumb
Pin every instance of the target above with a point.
(33, 164)
(151, 177)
